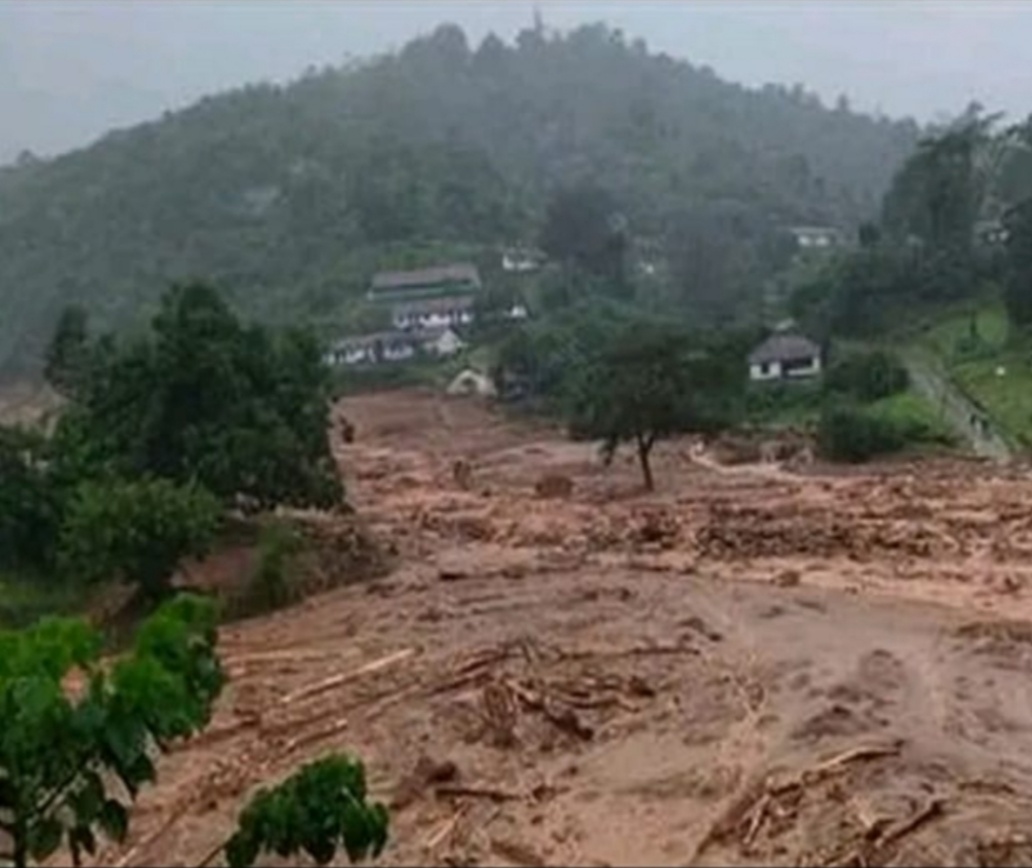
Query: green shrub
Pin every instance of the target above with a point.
(321, 807)
(269, 587)
(867, 376)
(852, 434)
(138, 531)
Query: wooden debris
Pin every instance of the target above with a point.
(933, 809)
(344, 678)
(449, 790)
(517, 852)
(426, 772)
(565, 719)
(312, 737)
(435, 840)
(134, 854)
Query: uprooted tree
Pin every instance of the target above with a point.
(73, 727)
(648, 382)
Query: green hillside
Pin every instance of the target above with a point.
(289, 197)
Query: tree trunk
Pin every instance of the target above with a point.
(644, 449)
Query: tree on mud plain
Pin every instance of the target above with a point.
(648, 383)
(63, 746)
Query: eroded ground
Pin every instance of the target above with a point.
(747, 667)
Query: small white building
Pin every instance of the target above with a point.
(521, 260)
(785, 357)
(471, 382)
(816, 237)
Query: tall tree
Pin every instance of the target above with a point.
(649, 382)
(66, 359)
(240, 410)
(584, 228)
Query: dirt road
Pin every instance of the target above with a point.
(741, 668)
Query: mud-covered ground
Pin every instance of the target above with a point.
(748, 666)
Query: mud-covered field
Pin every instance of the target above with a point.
(749, 666)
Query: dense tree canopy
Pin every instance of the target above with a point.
(238, 409)
(290, 196)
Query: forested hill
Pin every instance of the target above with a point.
(289, 196)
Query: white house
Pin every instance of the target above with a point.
(519, 260)
(785, 357)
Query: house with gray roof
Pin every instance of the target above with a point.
(785, 357)
(441, 281)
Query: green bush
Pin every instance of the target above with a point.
(138, 531)
(321, 807)
(867, 376)
(782, 402)
(852, 434)
(269, 587)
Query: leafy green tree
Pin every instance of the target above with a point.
(867, 376)
(584, 228)
(29, 502)
(240, 410)
(647, 383)
(1018, 287)
(850, 433)
(138, 531)
(67, 355)
(62, 749)
(316, 810)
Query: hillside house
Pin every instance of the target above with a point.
(522, 260)
(437, 282)
(394, 346)
(785, 357)
(816, 237)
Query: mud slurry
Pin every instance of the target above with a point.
(748, 666)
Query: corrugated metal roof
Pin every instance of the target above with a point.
(462, 272)
(783, 348)
(440, 304)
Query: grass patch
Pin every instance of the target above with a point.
(917, 420)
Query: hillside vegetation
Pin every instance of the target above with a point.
(290, 196)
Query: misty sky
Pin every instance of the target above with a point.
(71, 70)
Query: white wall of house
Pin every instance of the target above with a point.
(350, 356)
(759, 371)
(515, 263)
(436, 319)
(811, 368)
(398, 352)
(775, 370)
